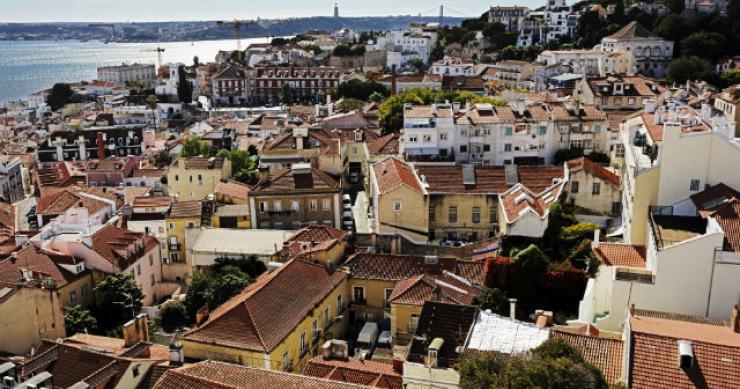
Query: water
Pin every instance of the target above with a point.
(31, 66)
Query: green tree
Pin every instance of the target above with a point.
(674, 27)
(250, 265)
(376, 97)
(151, 101)
(230, 281)
(243, 167)
(60, 95)
(184, 86)
(492, 29)
(360, 90)
(704, 44)
(78, 319)
(279, 41)
(732, 77)
(120, 299)
(199, 295)
(494, 299)
(688, 68)
(173, 316)
(286, 95)
(349, 104)
(482, 371)
(194, 146)
(417, 64)
(162, 158)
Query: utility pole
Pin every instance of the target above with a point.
(237, 24)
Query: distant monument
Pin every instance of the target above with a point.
(336, 10)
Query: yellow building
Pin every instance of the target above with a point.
(400, 201)
(321, 244)
(276, 323)
(28, 314)
(184, 215)
(231, 192)
(233, 216)
(195, 178)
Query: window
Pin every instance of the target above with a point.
(172, 226)
(73, 298)
(427, 138)
(412, 138)
(443, 136)
(315, 329)
(387, 295)
(413, 323)
(616, 208)
(463, 148)
(397, 205)
(620, 151)
(326, 317)
(151, 260)
(476, 215)
(452, 215)
(509, 131)
(277, 206)
(191, 178)
(294, 206)
(151, 280)
(264, 207)
(358, 295)
(597, 128)
(312, 205)
(84, 290)
(302, 342)
(694, 185)
(507, 147)
(326, 204)
(432, 212)
(138, 269)
(574, 187)
(492, 215)
(596, 189)
(286, 361)
(486, 148)
(339, 304)
(543, 130)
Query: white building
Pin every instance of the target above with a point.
(652, 53)
(404, 45)
(125, 73)
(511, 17)
(559, 20)
(591, 62)
(205, 245)
(453, 66)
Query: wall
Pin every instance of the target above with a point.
(414, 212)
(188, 187)
(418, 376)
(464, 226)
(28, 316)
(304, 215)
(400, 318)
(82, 287)
(147, 273)
(600, 204)
(374, 298)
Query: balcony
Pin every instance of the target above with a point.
(361, 301)
(174, 246)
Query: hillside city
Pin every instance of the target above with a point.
(533, 198)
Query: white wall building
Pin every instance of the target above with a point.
(404, 45)
(652, 53)
(453, 66)
(126, 73)
(591, 62)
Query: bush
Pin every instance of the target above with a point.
(173, 316)
(579, 231)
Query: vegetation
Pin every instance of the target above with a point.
(184, 87)
(243, 167)
(194, 146)
(360, 90)
(120, 300)
(689, 68)
(162, 158)
(173, 316)
(350, 104)
(286, 94)
(60, 95)
(554, 364)
(78, 319)
(347, 51)
(494, 299)
(391, 110)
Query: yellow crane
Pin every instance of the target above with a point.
(237, 24)
(159, 52)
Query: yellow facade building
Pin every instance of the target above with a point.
(196, 178)
(184, 215)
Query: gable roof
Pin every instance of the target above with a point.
(451, 322)
(488, 179)
(386, 145)
(219, 375)
(492, 332)
(293, 182)
(356, 371)
(621, 254)
(603, 353)
(33, 258)
(727, 216)
(391, 172)
(122, 247)
(446, 288)
(519, 200)
(233, 189)
(393, 267)
(258, 318)
(710, 198)
(594, 169)
(633, 30)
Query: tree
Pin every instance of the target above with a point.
(731, 77)
(151, 101)
(162, 158)
(173, 316)
(688, 68)
(286, 94)
(376, 97)
(482, 371)
(492, 29)
(60, 95)
(184, 86)
(251, 265)
(360, 90)
(494, 299)
(342, 51)
(120, 299)
(704, 44)
(417, 64)
(674, 27)
(230, 281)
(78, 319)
(349, 104)
(243, 167)
(194, 146)
(279, 41)
(196, 61)
(200, 293)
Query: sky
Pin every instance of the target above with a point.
(172, 10)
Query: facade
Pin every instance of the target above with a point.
(729, 102)
(292, 199)
(232, 85)
(100, 142)
(307, 84)
(615, 92)
(185, 215)
(28, 314)
(206, 245)
(652, 53)
(148, 216)
(560, 21)
(524, 212)
(591, 62)
(452, 66)
(404, 45)
(511, 17)
(123, 74)
(593, 189)
(275, 336)
(11, 179)
(512, 74)
(195, 178)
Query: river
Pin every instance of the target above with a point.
(30, 66)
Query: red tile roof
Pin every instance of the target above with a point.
(654, 359)
(219, 375)
(122, 247)
(152, 202)
(520, 200)
(356, 371)
(728, 217)
(58, 203)
(232, 189)
(318, 234)
(620, 254)
(387, 145)
(594, 169)
(603, 353)
(711, 198)
(391, 173)
(38, 261)
(488, 179)
(288, 181)
(259, 318)
(445, 289)
(389, 267)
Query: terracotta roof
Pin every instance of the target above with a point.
(656, 130)
(39, 261)
(143, 173)
(288, 181)
(58, 203)
(122, 247)
(392, 267)
(219, 375)
(520, 200)
(203, 163)
(654, 343)
(386, 145)
(594, 169)
(620, 254)
(232, 189)
(351, 120)
(186, 209)
(603, 353)
(258, 318)
(728, 217)
(443, 288)
(152, 202)
(633, 30)
(391, 173)
(683, 317)
(711, 198)
(355, 371)
(488, 179)
(463, 82)
(318, 234)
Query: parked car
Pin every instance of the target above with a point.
(366, 340)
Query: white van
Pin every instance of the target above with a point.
(366, 340)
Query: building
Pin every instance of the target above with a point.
(524, 212)
(321, 244)
(453, 66)
(561, 22)
(505, 335)
(11, 179)
(402, 46)
(671, 350)
(593, 189)
(185, 215)
(591, 62)
(256, 328)
(511, 17)
(295, 198)
(231, 192)
(149, 215)
(334, 365)
(729, 102)
(233, 216)
(309, 84)
(195, 178)
(206, 245)
(399, 202)
(628, 93)
(435, 351)
(512, 74)
(124, 74)
(652, 53)
(232, 85)
(100, 142)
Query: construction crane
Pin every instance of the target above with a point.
(159, 52)
(237, 24)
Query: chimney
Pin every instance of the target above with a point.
(264, 173)
(177, 355)
(335, 349)
(467, 106)
(101, 146)
(543, 319)
(136, 330)
(394, 89)
(597, 239)
(735, 319)
(512, 308)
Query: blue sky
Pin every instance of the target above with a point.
(158, 10)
